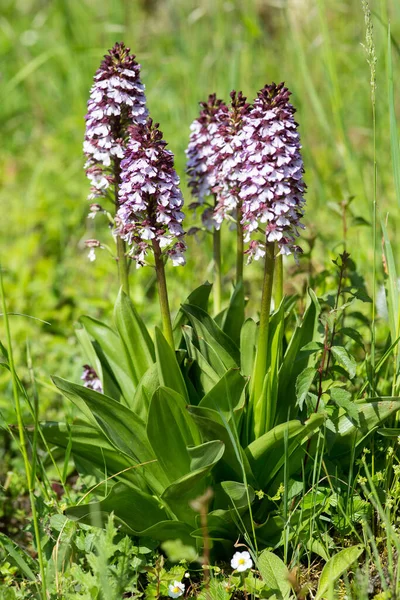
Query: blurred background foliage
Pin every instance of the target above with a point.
(49, 51)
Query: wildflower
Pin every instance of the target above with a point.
(204, 143)
(271, 175)
(92, 244)
(176, 589)
(150, 200)
(241, 561)
(91, 379)
(116, 100)
(229, 160)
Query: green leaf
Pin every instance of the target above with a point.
(234, 316)
(344, 359)
(199, 297)
(169, 373)
(212, 427)
(179, 494)
(335, 567)
(296, 359)
(275, 574)
(272, 447)
(353, 334)
(227, 395)
(113, 351)
(239, 493)
(343, 433)
(125, 430)
(20, 558)
(144, 392)
(170, 430)
(303, 384)
(206, 376)
(209, 331)
(137, 510)
(248, 346)
(137, 344)
(90, 445)
(342, 399)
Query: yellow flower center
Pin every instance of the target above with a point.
(176, 590)
(241, 561)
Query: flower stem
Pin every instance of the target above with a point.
(278, 285)
(123, 270)
(163, 295)
(22, 442)
(217, 287)
(239, 245)
(262, 347)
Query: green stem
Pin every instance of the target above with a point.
(262, 346)
(22, 441)
(163, 295)
(239, 245)
(123, 270)
(217, 287)
(278, 284)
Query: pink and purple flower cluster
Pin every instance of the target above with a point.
(116, 100)
(252, 163)
(91, 380)
(150, 200)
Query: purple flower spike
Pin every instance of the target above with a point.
(271, 178)
(149, 196)
(204, 144)
(116, 100)
(91, 379)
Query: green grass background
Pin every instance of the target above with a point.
(49, 51)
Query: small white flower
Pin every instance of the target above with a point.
(241, 561)
(176, 589)
(92, 255)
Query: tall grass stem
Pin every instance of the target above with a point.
(163, 294)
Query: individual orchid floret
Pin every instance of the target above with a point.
(150, 200)
(92, 245)
(241, 561)
(271, 181)
(116, 100)
(91, 379)
(203, 146)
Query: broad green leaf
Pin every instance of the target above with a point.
(133, 507)
(170, 430)
(335, 567)
(199, 297)
(113, 350)
(303, 384)
(212, 427)
(353, 334)
(234, 316)
(206, 376)
(296, 360)
(90, 445)
(180, 493)
(267, 454)
(227, 395)
(137, 344)
(239, 493)
(208, 330)
(264, 406)
(169, 373)
(248, 346)
(343, 434)
(389, 431)
(144, 392)
(345, 360)
(125, 430)
(275, 574)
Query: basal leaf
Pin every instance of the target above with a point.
(335, 567)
